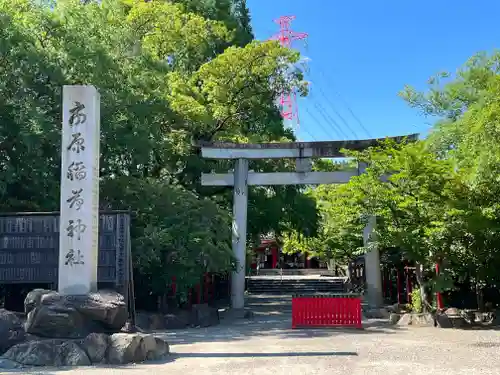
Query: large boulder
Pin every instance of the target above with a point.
(34, 298)
(450, 318)
(48, 353)
(178, 320)
(33, 353)
(11, 330)
(416, 320)
(174, 320)
(95, 345)
(70, 354)
(132, 348)
(119, 348)
(51, 314)
(150, 321)
(203, 315)
(377, 313)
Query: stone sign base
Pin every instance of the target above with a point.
(73, 331)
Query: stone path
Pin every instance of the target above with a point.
(266, 345)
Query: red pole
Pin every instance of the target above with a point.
(198, 294)
(439, 297)
(398, 281)
(408, 285)
(389, 272)
(205, 288)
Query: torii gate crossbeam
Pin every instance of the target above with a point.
(302, 152)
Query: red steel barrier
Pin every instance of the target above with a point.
(342, 310)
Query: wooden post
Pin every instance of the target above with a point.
(398, 281)
(439, 297)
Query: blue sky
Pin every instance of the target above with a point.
(362, 53)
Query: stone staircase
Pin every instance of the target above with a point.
(290, 285)
(296, 272)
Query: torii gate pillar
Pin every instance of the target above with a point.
(240, 207)
(373, 274)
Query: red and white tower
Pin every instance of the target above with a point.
(286, 37)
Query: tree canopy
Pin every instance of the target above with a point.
(170, 74)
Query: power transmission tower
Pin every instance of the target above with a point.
(286, 37)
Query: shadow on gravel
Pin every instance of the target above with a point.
(479, 328)
(272, 317)
(247, 329)
(263, 355)
(40, 371)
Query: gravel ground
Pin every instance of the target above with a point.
(266, 345)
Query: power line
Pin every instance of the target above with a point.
(330, 122)
(334, 123)
(345, 103)
(320, 124)
(336, 112)
(312, 136)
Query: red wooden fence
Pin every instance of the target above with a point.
(342, 310)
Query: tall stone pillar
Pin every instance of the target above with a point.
(79, 220)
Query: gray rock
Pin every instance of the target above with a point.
(148, 347)
(74, 316)
(7, 364)
(396, 308)
(156, 322)
(55, 321)
(178, 320)
(394, 318)
(33, 299)
(106, 306)
(419, 320)
(136, 347)
(33, 353)
(153, 321)
(377, 313)
(451, 318)
(443, 321)
(203, 315)
(161, 351)
(11, 330)
(70, 354)
(95, 345)
(130, 328)
(48, 353)
(120, 348)
(124, 348)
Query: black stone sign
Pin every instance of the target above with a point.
(29, 248)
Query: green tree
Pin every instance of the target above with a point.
(167, 81)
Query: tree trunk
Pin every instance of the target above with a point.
(479, 297)
(330, 264)
(419, 273)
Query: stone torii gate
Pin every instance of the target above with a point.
(302, 152)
